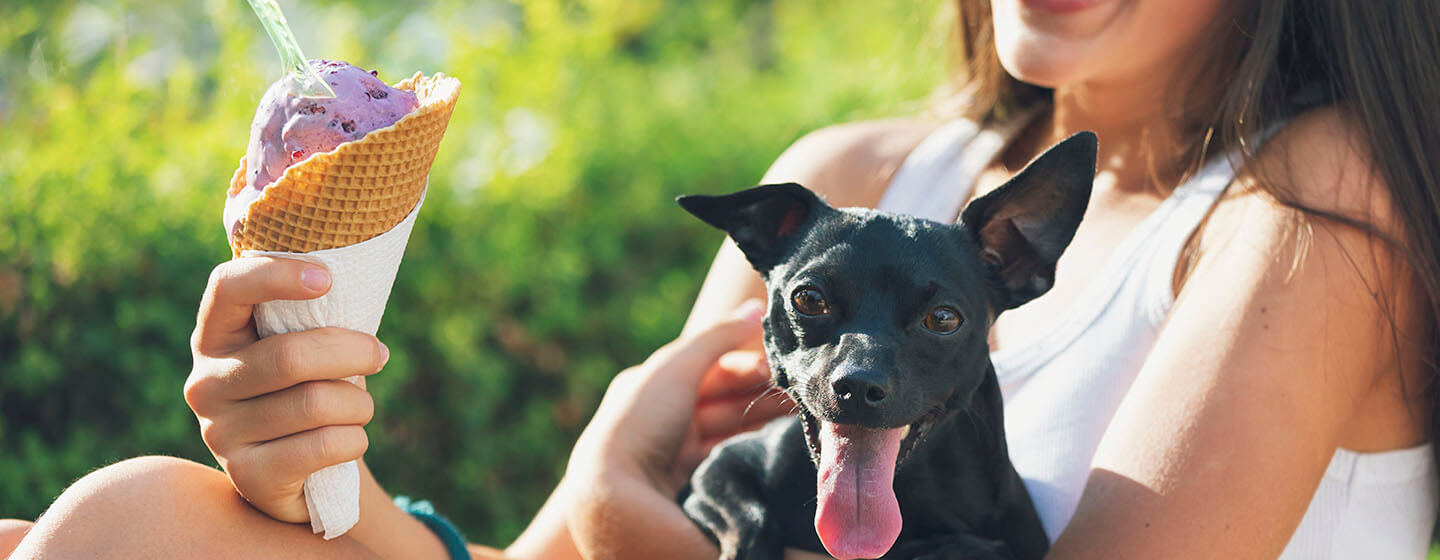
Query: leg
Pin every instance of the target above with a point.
(163, 507)
(724, 503)
(11, 531)
(729, 497)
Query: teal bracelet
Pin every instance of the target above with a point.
(443, 528)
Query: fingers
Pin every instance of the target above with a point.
(282, 361)
(687, 359)
(716, 421)
(724, 418)
(735, 373)
(298, 455)
(314, 355)
(744, 361)
(304, 407)
(273, 469)
(236, 286)
(643, 420)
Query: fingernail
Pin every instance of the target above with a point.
(752, 310)
(315, 279)
(384, 354)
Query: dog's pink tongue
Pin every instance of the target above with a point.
(858, 516)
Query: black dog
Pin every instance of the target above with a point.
(877, 328)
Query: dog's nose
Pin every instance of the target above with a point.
(859, 390)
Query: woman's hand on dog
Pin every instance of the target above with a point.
(735, 395)
(661, 417)
(634, 456)
(657, 422)
(274, 410)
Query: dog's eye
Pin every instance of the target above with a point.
(810, 301)
(943, 320)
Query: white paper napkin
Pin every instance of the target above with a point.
(361, 276)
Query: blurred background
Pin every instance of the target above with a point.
(549, 255)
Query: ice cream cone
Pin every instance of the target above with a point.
(352, 210)
(358, 191)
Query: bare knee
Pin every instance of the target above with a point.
(143, 486)
(11, 531)
(152, 479)
(103, 509)
(163, 507)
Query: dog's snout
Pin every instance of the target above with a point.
(848, 388)
(859, 390)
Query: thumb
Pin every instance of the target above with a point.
(686, 360)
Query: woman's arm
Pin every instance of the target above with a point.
(1275, 339)
(548, 536)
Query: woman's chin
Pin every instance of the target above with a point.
(1044, 67)
(1054, 42)
(1050, 42)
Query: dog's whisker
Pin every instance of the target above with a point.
(759, 384)
(753, 402)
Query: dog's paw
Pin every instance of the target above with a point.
(950, 547)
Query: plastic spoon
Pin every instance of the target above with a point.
(303, 80)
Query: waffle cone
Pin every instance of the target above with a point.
(359, 190)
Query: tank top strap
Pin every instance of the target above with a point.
(1191, 202)
(937, 178)
(1194, 199)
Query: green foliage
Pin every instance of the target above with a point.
(548, 257)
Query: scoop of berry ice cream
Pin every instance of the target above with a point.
(288, 129)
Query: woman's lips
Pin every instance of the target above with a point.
(1059, 6)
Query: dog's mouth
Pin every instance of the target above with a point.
(857, 514)
(911, 434)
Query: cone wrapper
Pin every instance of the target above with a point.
(361, 276)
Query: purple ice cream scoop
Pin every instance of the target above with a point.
(288, 129)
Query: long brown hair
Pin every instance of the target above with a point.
(1374, 61)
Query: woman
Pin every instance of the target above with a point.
(1231, 364)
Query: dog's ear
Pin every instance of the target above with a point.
(763, 220)
(1023, 226)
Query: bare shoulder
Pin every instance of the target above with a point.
(1279, 223)
(1318, 165)
(1322, 161)
(1271, 250)
(850, 164)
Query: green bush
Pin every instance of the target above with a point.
(549, 254)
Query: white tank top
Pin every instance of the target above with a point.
(1062, 389)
